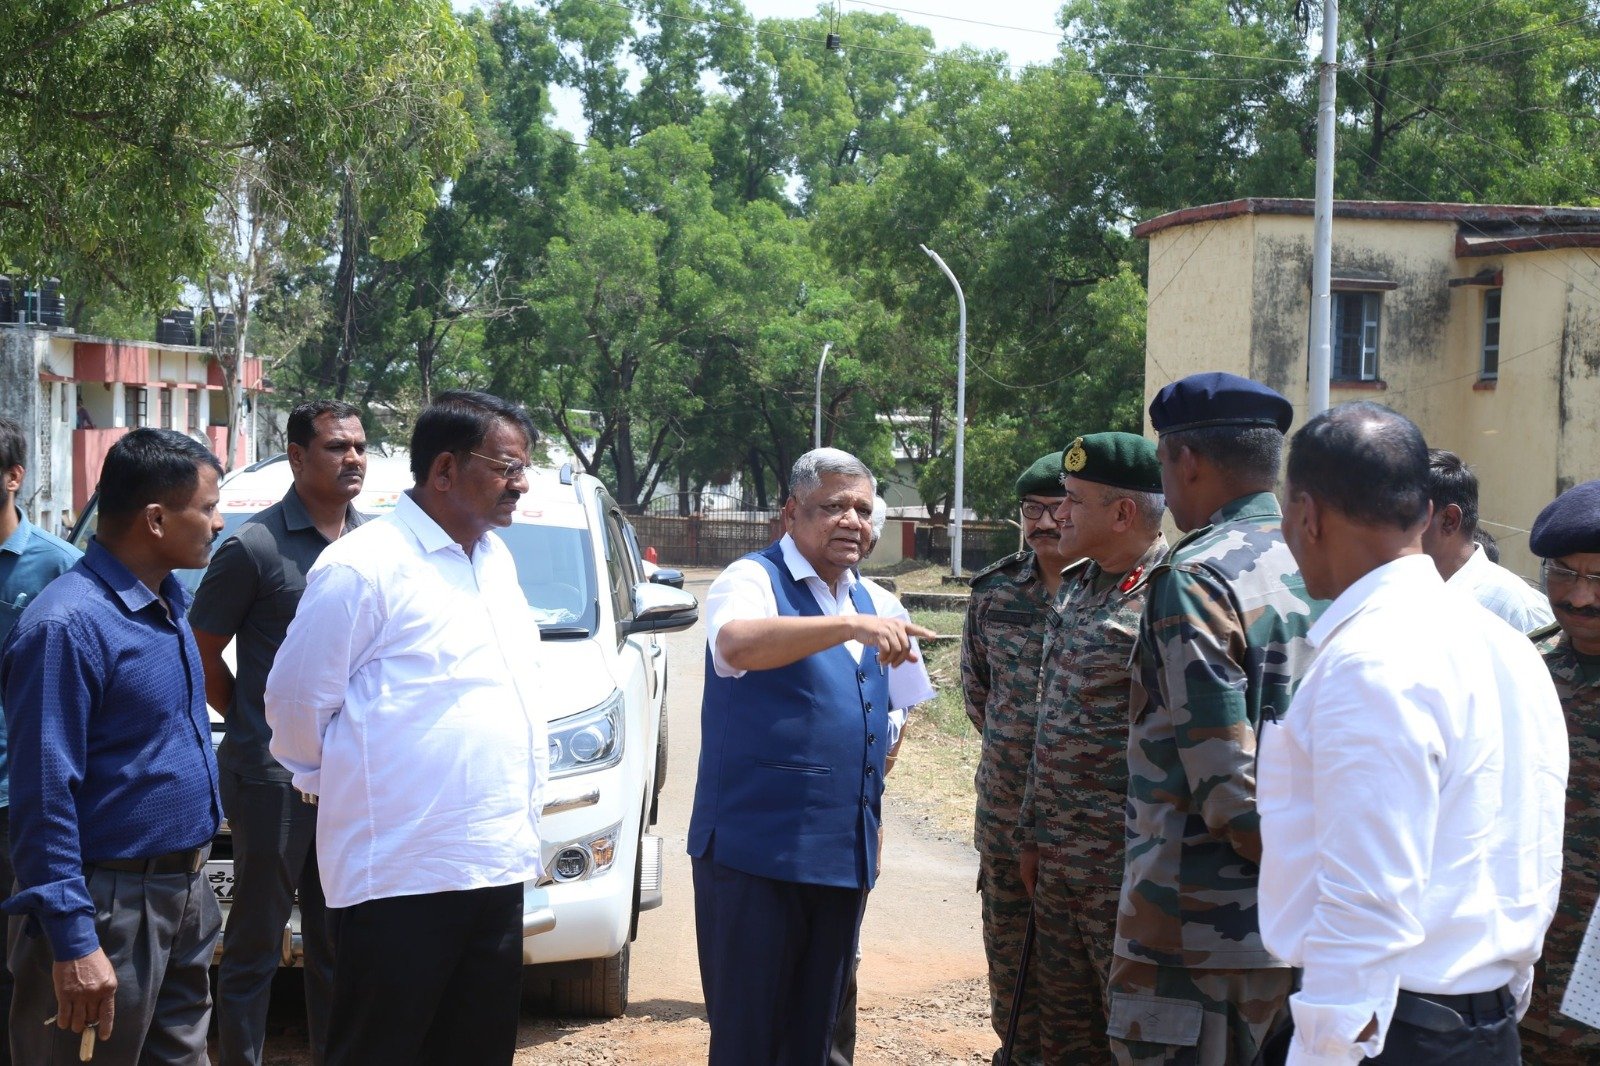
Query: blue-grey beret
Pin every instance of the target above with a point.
(1217, 399)
(1570, 523)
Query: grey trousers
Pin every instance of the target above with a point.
(274, 856)
(159, 932)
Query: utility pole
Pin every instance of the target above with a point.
(816, 433)
(1322, 218)
(961, 415)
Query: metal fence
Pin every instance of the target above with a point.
(706, 540)
(981, 543)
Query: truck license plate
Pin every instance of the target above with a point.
(219, 874)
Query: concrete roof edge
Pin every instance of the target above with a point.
(1400, 210)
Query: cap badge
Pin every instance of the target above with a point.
(1076, 458)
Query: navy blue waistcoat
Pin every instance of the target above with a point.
(791, 760)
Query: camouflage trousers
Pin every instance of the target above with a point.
(1005, 920)
(1075, 924)
(1171, 1016)
(1550, 1038)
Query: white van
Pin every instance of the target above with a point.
(600, 618)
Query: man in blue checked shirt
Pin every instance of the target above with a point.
(113, 784)
(30, 559)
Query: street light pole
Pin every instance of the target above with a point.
(1322, 219)
(961, 414)
(816, 433)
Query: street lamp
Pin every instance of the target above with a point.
(816, 433)
(961, 413)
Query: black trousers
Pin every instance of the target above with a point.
(774, 960)
(428, 979)
(1489, 1037)
(274, 858)
(7, 876)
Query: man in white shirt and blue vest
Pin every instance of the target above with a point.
(794, 730)
(1412, 799)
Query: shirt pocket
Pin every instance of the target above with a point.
(1155, 1020)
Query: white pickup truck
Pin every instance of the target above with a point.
(605, 675)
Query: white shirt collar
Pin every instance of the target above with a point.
(1477, 561)
(800, 568)
(430, 535)
(1414, 571)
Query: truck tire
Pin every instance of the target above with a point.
(661, 759)
(601, 994)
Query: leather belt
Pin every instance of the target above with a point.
(175, 862)
(1441, 1013)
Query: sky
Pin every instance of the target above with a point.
(1025, 30)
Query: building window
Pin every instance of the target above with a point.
(192, 402)
(1355, 336)
(166, 407)
(1489, 369)
(137, 404)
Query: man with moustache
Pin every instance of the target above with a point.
(113, 784)
(1411, 799)
(1002, 647)
(405, 697)
(248, 595)
(1567, 536)
(1072, 826)
(783, 836)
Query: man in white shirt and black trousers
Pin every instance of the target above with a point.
(405, 696)
(1412, 799)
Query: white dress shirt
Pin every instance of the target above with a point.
(744, 591)
(405, 695)
(1411, 807)
(1502, 592)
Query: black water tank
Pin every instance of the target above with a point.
(208, 333)
(8, 306)
(175, 327)
(45, 305)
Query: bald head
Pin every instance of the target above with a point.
(1365, 461)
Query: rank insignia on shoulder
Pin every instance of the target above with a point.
(1075, 458)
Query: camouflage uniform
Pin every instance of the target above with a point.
(1550, 1038)
(1072, 807)
(1000, 650)
(1221, 645)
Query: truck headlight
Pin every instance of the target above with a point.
(589, 740)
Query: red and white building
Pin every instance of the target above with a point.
(78, 394)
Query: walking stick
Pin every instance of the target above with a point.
(1016, 993)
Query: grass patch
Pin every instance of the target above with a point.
(939, 754)
(944, 623)
(912, 575)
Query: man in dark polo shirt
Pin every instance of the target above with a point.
(248, 595)
(113, 785)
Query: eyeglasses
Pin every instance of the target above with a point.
(1557, 576)
(510, 469)
(1033, 510)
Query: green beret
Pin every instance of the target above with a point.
(1121, 460)
(1043, 478)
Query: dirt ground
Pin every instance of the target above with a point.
(923, 999)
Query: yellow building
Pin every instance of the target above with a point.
(1480, 322)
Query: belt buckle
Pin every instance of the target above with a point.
(197, 861)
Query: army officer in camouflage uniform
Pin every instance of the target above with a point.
(1221, 645)
(1567, 536)
(1000, 650)
(1072, 824)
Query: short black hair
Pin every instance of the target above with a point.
(13, 444)
(302, 428)
(1366, 461)
(1451, 480)
(1246, 453)
(458, 422)
(149, 466)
